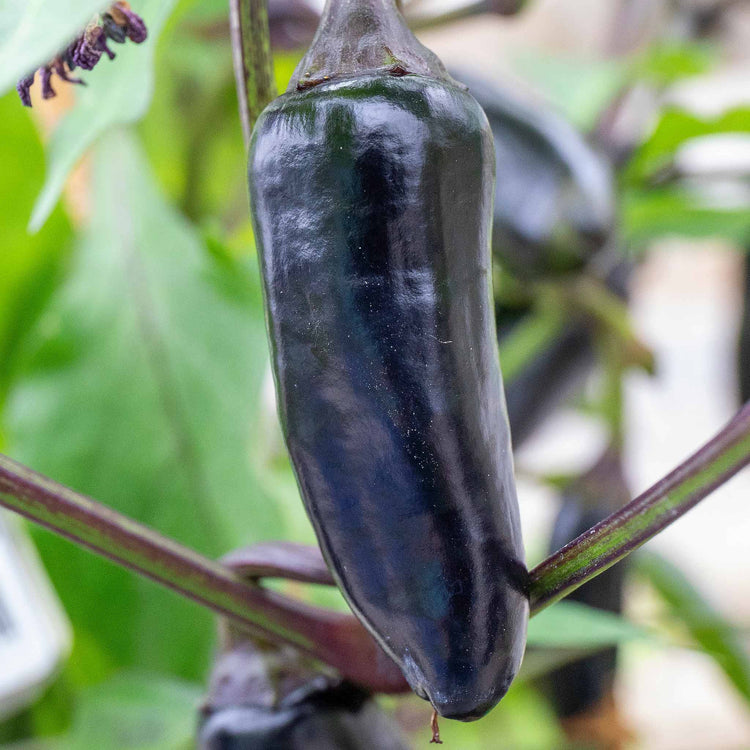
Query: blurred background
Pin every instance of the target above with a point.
(133, 359)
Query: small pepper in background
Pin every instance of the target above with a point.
(582, 691)
(270, 697)
(554, 193)
(560, 367)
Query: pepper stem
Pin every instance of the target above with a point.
(640, 520)
(435, 729)
(364, 37)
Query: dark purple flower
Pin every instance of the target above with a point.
(134, 25)
(68, 54)
(100, 40)
(45, 75)
(113, 30)
(24, 89)
(87, 52)
(58, 65)
(118, 24)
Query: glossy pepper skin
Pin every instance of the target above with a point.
(372, 206)
(553, 214)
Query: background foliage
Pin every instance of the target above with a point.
(134, 360)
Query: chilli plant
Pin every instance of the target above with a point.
(134, 387)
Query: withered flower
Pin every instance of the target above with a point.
(117, 24)
(131, 23)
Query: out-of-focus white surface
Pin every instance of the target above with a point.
(568, 443)
(686, 304)
(677, 699)
(35, 636)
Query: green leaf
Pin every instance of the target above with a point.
(668, 62)
(132, 711)
(571, 625)
(207, 11)
(676, 127)
(28, 264)
(118, 92)
(527, 340)
(569, 630)
(717, 637)
(141, 388)
(34, 31)
(580, 89)
(648, 214)
(538, 662)
(523, 720)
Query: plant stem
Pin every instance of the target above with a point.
(334, 638)
(612, 397)
(640, 520)
(253, 62)
(593, 298)
(338, 639)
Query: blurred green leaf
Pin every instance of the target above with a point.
(522, 721)
(132, 711)
(580, 89)
(284, 65)
(141, 388)
(538, 662)
(33, 31)
(577, 626)
(668, 62)
(675, 127)
(118, 92)
(192, 131)
(519, 347)
(717, 637)
(208, 11)
(568, 631)
(29, 264)
(648, 214)
(583, 89)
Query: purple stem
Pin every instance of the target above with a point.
(627, 529)
(334, 638)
